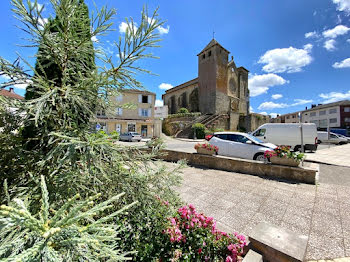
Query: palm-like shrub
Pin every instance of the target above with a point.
(74, 232)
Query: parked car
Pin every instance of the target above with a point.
(131, 136)
(288, 134)
(345, 137)
(241, 145)
(333, 138)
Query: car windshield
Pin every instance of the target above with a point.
(134, 134)
(253, 138)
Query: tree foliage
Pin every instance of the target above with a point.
(73, 232)
(66, 89)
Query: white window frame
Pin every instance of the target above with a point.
(119, 111)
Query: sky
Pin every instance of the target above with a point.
(297, 51)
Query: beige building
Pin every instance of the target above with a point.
(287, 118)
(133, 112)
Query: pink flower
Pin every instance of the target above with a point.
(229, 259)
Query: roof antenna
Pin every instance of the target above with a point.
(213, 34)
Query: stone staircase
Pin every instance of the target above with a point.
(207, 120)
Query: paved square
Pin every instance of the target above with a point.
(239, 202)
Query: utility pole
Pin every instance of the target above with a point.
(301, 133)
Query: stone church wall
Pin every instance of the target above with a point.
(186, 97)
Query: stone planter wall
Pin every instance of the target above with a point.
(295, 174)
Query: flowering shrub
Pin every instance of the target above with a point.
(284, 152)
(207, 146)
(193, 236)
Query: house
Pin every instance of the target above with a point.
(137, 117)
(287, 118)
(334, 115)
(10, 94)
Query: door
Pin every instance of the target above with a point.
(220, 140)
(238, 146)
(118, 128)
(144, 131)
(261, 134)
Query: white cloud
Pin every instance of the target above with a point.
(299, 102)
(165, 86)
(163, 30)
(42, 22)
(329, 44)
(335, 96)
(336, 31)
(94, 39)
(123, 26)
(313, 34)
(251, 110)
(277, 96)
(39, 5)
(308, 47)
(273, 115)
(343, 5)
(288, 60)
(159, 102)
(343, 64)
(16, 83)
(271, 105)
(259, 84)
(263, 113)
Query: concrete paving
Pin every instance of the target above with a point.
(335, 155)
(239, 202)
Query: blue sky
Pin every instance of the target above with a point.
(297, 51)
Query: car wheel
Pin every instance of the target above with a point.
(296, 148)
(259, 157)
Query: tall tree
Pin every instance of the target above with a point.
(52, 71)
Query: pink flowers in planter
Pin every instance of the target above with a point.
(207, 146)
(197, 237)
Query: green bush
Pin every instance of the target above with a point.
(183, 111)
(199, 130)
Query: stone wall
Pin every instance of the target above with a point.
(296, 174)
(171, 126)
(252, 121)
(182, 96)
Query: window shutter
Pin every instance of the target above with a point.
(140, 112)
(150, 112)
(120, 111)
(140, 98)
(150, 99)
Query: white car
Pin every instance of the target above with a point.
(131, 136)
(333, 138)
(240, 145)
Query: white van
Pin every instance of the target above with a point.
(322, 137)
(288, 135)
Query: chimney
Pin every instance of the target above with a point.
(305, 107)
(313, 105)
(320, 104)
(11, 90)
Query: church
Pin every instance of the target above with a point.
(220, 89)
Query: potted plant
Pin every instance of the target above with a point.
(282, 155)
(206, 149)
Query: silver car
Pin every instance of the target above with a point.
(130, 136)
